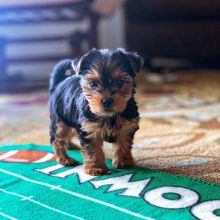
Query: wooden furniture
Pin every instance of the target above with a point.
(38, 12)
(181, 29)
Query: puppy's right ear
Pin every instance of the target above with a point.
(82, 64)
(137, 62)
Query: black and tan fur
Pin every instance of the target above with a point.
(93, 99)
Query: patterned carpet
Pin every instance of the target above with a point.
(179, 129)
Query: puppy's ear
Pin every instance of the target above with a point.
(136, 60)
(79, 65)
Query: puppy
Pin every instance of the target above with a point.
(93, 98)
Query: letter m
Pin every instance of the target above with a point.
(133, 189)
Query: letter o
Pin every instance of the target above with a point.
(156, 197)
(205, 210)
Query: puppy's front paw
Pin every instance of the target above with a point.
(123, 163)
(67, 161)
(93, 171)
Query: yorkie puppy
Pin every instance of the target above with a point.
(93, 98)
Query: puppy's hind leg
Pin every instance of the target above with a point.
(61, 143)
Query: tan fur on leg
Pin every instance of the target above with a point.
(122, 157)
(64, 134)
(61, 154)
(94, 160)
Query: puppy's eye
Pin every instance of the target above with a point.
(119, 83)
(94, 84)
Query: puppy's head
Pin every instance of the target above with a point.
(107, 79)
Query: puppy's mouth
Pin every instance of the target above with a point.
(106, 112)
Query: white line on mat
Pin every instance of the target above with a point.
(39, 203)
(76, 195)
(8, 154)
(47, 157)
(7, 216)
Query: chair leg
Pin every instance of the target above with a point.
(90, 37)
(93, 31)
(75, 41)
(2, 59)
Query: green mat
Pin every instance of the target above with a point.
(33, 186)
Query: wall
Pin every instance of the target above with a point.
(112, 31)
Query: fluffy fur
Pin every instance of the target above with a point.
(93, 98)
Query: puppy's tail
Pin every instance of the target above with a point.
(61, 71)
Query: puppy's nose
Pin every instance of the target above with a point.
(107, 103)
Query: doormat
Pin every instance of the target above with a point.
(33, 186)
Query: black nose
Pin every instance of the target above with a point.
(107, 103)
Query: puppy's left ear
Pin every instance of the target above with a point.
(79, 65)
(136, 60)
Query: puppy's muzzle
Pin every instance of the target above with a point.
(107, 103)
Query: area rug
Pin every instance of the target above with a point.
(33, 186)
(179, 127)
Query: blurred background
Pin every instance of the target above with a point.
(170, 35)
(177, 91)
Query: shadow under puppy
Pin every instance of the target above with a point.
(93, 99)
